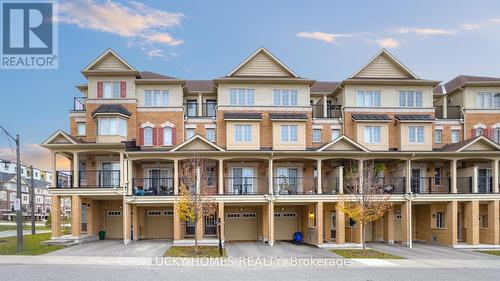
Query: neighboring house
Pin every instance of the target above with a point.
(277, 147)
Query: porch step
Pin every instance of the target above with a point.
(68, 240)
(203, 242)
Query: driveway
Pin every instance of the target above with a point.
(425, 251)
(280, 249)
(115, 248)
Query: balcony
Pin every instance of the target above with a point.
(153, 186)
(464, 185)
(484, 185)
(294, 185)
(245, 185)
(207, 110)
(391, 185)
(330, 185)
(78, 104)
(453, 112)
(89, 179)
(332, 111)
(431, 185)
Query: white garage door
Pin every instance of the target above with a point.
(159, 224)
(114, 225)
(240, 226)
(285, 225)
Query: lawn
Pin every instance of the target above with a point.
(188, 251)
(31, 245)
(364, 254)
(25, 227)
(491, 252)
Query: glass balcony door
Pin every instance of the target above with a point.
(484, 180)
(110, 176)
(243, 180)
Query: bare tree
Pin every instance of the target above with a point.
(196, 192)
(365, 199)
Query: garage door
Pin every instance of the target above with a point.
(240, 226)
(285, 225)
(159, 224)
(114, 225)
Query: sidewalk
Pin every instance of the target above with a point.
(12, 233)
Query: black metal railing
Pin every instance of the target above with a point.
(245, 185)
(391, 185)
(332, 111)
(208, 184)
(208, 109)
(79, 104)
(464, 185)
(153, 186)
(430, 185)
(99, 178)
(64, 179)
(484, 184)
(294, 185)
(330, 185)
(453, 112)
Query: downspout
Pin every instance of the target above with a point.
(409, 198)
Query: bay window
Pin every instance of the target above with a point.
(410, 99)
(367, 98)
(372, 134)
(416, 134)
(241, 96)
(285, 97)
(155, 98)
(112, 126)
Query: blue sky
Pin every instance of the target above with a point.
(323, 40)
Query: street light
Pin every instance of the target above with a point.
(17, 205)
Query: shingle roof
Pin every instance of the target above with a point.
(458, 145)
(153, 75)
(38, 183)
(111, 108)
(324, 86)
(5, 177)
(281, 116)
(371, 117)
(242, 115)
(419, 117)
(461, 80)
(200, 85)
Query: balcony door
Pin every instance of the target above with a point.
(484, 183)
(287, 180)
(157, 181)
(243, 180)
(192, 108)
(210, 108)
(110, 175)
(417, 180)
(333, 225)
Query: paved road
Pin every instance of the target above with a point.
(122, 273)
(424, 251)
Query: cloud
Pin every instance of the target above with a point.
(495, 20)
(155, 53)
(34, 154)
(132, 20)
(388, 43)
(322, 36)
(425, 31)
(471, 26)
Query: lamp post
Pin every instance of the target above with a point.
(18, 204)
(32, 200)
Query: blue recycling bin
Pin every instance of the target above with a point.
(297, 237)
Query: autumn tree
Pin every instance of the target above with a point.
(196, 193)
(365, 198)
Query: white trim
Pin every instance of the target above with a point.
(197, 137)
(147, 124)
(190, 126)
(261, 49)
(350, 141)
(497, 125)
(392, 58)
(458, 128)
(479, 125)
(496, 147)
(210, 126)
(167, 124)
(317, 127)
(335, 126)
(59, 133)
(108, 52)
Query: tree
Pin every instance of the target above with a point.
(196, 197)
(365, 199)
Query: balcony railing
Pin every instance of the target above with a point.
(153, 186)
(430, 185)
(207, 109)
(330, 185)
(391, 185)
(464, 185)
(208, 185)
(245, 185)
(294, 185)
(78, 104)
(332, 111)
(88, 178)
(64, 179)
(453, 112)
(484, 184)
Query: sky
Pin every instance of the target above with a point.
(200, 39)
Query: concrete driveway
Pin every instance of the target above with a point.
(115, 248)
(425, 251)
(280, 249)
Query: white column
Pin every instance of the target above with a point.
(221, 176)
(176, 176)
(341, 179)
(270, 174)
(130, 175)
(453, 176)
(76, 170)
(445, 107)
(198, 180)
(494, 174)
(122, 171)
(325, 107)
(200, 105)
(474, 180)
(408, 176)
(318, 169)
(53, 156)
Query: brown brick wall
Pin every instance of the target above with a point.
(92, 123)
(488, 119)
(158, 118)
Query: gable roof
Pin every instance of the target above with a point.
(324, 87)
(61, 137)
(386, 63)
(197, 86)
(117, 61)
(197, 139)
(479, 143)
(346, 141)
(461, 80)
(6, 177)
(154, 76)
(264, 62)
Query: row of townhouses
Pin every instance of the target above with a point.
(278, 147)
(8, 191)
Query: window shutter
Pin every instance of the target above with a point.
(174, 136)
(141, 136)
(155, 136)
(100, 87)
(160, 136)
(123, 89)
(488, 133)
(472, 133)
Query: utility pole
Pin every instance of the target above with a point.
(18, 204)
(32, 199)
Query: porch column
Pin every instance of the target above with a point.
(493, 222)
(265, 223)
(199, 226)
(130, 167)
(325, 107)
(55, 214)
(270, 213)
(270, 180)
(200, 105)
(391, 220)
(451, 221)
(127, 222)
(408, 176)
(472, 221)
(176, 176)
(122, 171)
(90, 217)
(341, 179)
(475, 180)
(453, 176)
(76, 170)
(220, 214)
(221, 176)
(405, 224)
(177, 224)
(53, 157)
(340, 225)
(319, 223)
(318, 169)
(135, 223)
(76, 216)
(494, 174)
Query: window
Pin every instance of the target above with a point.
(285, 97)
(483, 221)
(368, 98)
(233, 215)
(80, 128)
(496, 135)
(316, 135)
(488, 100)
(111, 89)
(437, 175)
(148, 136)
(192, 108)
(167, 136)
(439, 220)
(156, 98)
(189, 133)
(416, 134)
(372, 134)
(335, 133)
(289, 133)
(479, 132)
(243, 133)
(112, 126)
(410, 99)
(210, 132)
(241, 96)
(455, 136)
(438, 136)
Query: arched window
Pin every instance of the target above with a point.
(167, 136)
(148, 136)
(496, 135)
(479, 132)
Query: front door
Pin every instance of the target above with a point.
(333, 225)
(243, 180)
(84, 218)
(416, 181)
(484, 180)
(210, 226)
(190, 228)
